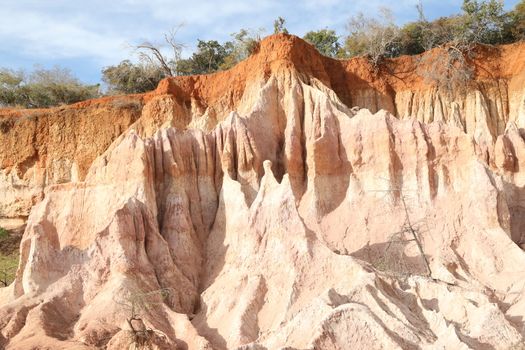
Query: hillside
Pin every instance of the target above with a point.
(274, 205)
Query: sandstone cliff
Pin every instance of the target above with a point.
(268, 207)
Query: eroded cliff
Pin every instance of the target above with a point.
(274, 213)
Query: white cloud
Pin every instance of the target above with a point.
(42, 35)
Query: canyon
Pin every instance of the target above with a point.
(292, 202)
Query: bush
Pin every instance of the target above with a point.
(325, 41)
(130, 78)
(244, 43)
(43, 88)
(208, 58)
(3, 233)
(8, 266)
(515, 25)
(278, 26)
(374, 38)
(482, 22)
(411, 39)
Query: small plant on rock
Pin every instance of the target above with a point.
(3, 233)
(137, 304)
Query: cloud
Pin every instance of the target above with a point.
(44, 35)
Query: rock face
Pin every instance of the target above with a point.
(254, 209)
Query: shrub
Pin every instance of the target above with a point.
(482, 22)
(244, 43)
(130, 78)
(209, 57)
(43, 88)
(374, 38)
(515, 25)
(278, 26)
(325, 41)
(3, 233)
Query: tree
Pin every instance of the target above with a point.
(155, 62)
(209, 57)
(130, 78)
(374, 38)
(43, 88)
(411, 231)
(411, 39)
(153, 53)
(8, 266)
(9, 244)
(11, 87)
(138, 304)
(278, 26)
(483, 22)
(325, 41)
(515, 28)
(244, 43)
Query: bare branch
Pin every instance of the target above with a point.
(152, 53)
(409, 226)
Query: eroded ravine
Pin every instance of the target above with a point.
(267, 218)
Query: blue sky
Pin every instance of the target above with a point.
(88, 35)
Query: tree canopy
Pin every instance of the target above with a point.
(325, 41)
(43, 88)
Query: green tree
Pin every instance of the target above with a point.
(244, 43)
(375, 38)
(483, 22)
(422, 35)
(209, 57)
(130, 78)
(411, 39)
(325, 41)
(515, 28)
(11, 87)
(278, 26)
(43, 88)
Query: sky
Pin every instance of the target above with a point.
(86, 36)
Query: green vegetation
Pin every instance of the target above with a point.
(325, 41)
(42, 88)
(377, 38)
(8, 256)
(3, 233)
(278, 26)
(137, 304)
(515, 26)
(209, 57)
(8, 266)
(480, 22)
(243, 44)
(130, 78)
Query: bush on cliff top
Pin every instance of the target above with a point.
(42, 88)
